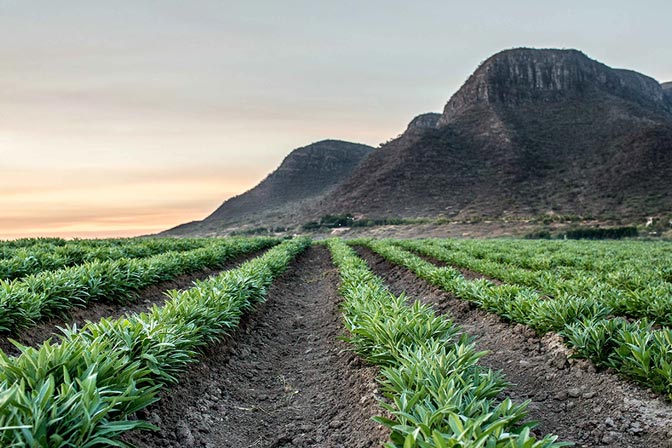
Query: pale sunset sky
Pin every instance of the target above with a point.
(127, 117)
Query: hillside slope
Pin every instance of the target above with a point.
(530, 132)
(305, 175)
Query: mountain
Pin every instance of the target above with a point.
(305, 175)
(667, 91)
(531, 131)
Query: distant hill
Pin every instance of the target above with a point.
(530, 132)
(305, 175)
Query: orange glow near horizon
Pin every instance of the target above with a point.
(53, 190)
(39, 204)
(59, 190)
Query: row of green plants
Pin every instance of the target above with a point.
(45, 257)
(85, 390)
(9, 247)
(627, 292)
(53, 293)
(634, 348)
(436, 393)
(24, 242)
(631, 258)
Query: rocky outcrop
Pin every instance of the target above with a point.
(514, 77)
(667, 92)
(305, 173)
(424, 121)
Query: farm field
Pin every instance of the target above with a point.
(265, 342)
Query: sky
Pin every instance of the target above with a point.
(129, 117)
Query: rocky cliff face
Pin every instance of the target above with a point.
(667, 92)
(519, 76)
(424, 121)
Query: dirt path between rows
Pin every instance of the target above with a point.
(466, 273)
(284, 379)
(94, 311)
(568, 397)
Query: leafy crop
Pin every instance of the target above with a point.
(634, 348)
(83, 391)
(23, 302)
(19, 261)
(437, 394)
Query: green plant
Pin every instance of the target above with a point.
(577, 305)
(82, 391)
(436, 393)
(55, 292)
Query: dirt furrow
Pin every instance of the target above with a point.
(568, 397)
(94, 311)
(284, 379)
(466, 273)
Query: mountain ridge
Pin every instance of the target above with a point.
(521, 139)
(523, 74)
(530, 132)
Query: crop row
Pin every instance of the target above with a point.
(9, 247)
(44, 257)
(26, 301)
(437, 394)
(83, 391)
(633, 348)
(632, 297)
(26, 242)
(623, 263)
(628, 265)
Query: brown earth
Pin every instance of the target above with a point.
(94, 311)
(568, 397)
(466, 273)
(284, 379)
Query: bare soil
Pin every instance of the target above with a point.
(568, 397)
(466, 273)
(94, 311)
(284, 379)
